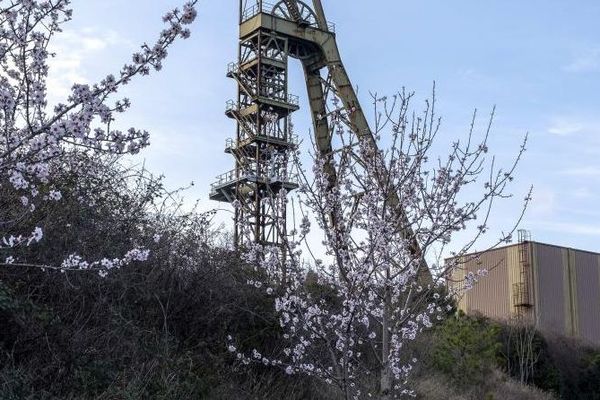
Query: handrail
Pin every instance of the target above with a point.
(291, 140)
(233, 67)
(222, 179)
(232, 105)
(292, 99)
(253, 10)
(231, 176)
(267, 8)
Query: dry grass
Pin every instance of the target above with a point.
(498, 387)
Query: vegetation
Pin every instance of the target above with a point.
(129, 297)
(160, 331)
(465, 349)
(149, 330)
(467, 355)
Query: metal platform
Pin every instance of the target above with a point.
(229, 184)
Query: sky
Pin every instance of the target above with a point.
(537, 61)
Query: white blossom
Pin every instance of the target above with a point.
(38, 139)
(380, 219)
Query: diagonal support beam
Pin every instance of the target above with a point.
(320, 13)
(359, 125)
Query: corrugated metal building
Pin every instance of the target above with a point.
(556, 287)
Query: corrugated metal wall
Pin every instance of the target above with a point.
(489, 296)
(512, 264)
(587, 293)
(568, 283)
(564, 286)
(549, 272)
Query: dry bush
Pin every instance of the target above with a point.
(498, 387)
(511, 389)
(436, 387)
(503, 387)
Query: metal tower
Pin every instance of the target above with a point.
(269, 35)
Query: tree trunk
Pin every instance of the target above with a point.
(385, 388)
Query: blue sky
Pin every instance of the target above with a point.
(538, 61)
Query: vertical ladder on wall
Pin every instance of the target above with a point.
(521, 289)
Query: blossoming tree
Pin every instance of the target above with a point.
(348, 313)
(36, 140)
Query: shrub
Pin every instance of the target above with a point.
(465, 349)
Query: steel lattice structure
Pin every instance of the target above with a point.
(269, 34)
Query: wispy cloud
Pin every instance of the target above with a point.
(570, 228)
(571, 125)
(583, 193)
(589, 171)
(564, 128)
(587, 61)
(72, 48)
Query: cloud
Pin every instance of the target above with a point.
(587, 61)
(570, 228)
(583, 193)
(72, 48)
(589, 172)
(565, 126)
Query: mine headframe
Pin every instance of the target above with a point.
(269, 34)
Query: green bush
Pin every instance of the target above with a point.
(465, 349)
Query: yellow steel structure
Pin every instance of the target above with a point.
(269, 35)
